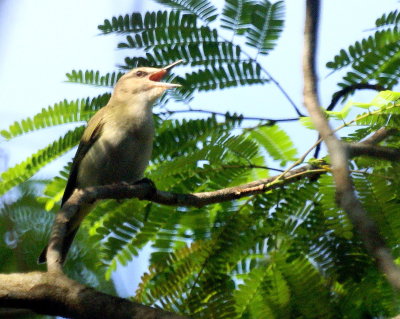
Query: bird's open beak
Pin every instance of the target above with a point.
(158, 76)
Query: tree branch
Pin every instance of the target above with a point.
(351, 88)
(280, 88)
(345, 195)
(145, 191)
(380, 135)
(55, 294)
(387, 153)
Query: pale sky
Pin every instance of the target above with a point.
(41, 40)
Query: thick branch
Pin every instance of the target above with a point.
(380, 135)
(55, 294)
(345, 195)
(387, 153)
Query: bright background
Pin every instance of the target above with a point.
(41, 40)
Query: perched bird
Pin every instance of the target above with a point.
(117, 142)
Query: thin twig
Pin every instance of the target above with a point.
(249, 118)
(283, 91)
(272, 79)
(351, 88)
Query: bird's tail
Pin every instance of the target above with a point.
(66, 246)
(72, 229)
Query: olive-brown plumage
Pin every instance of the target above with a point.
(117, 143)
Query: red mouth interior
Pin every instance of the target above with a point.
(157, 77)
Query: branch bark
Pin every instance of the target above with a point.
(345, 195)
(380, 135)
(387, 153)
(146, 191)
(55, 294)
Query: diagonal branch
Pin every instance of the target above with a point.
(386, 153)
(345, 195)
(380, 135)
(146, 191)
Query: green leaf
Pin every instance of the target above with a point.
(236, 15)
(135, 23)
(388, 19)
(373, 59)
(202, 53)
(266, 26)
(169, 37)
(60, 113)
(221, 77)
(201, 8)
(94, 78)
(276, 142)
(21, 172)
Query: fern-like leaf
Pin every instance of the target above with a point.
(266, 26)
(203, 53)
(201, 8)
(388, 19)
(336, 219)
(276, 142)
(167, 37)
(236, 15)
(21, 172)
(94, 78)
(135, 23)
(60, 113)
(382, 43)
(221, 77)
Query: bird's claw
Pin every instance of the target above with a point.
(145, 180)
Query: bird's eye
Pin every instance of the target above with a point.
(140, 74)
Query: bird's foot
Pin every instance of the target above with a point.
(150, 183)
(145, 180)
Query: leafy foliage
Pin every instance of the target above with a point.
(61, 113)
(203, 9)
(152, 20)
(94, 78)
(265, 26)
(288, 253)
(373, 59)
(21, 172)
(387, 19)
(236, 15)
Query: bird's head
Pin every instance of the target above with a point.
(143, 85)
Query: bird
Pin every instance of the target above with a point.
(117, 143)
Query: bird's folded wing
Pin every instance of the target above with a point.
(89, 137)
